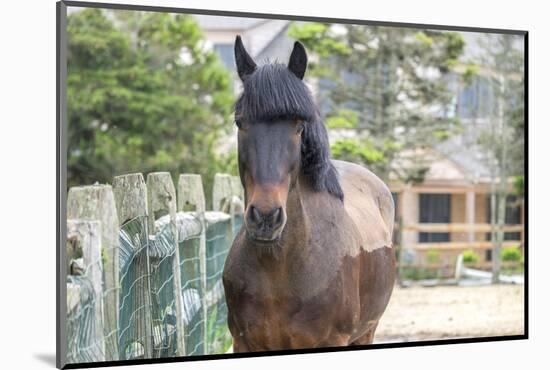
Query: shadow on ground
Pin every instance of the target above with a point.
(47, 358)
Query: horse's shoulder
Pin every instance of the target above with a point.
(369, 203)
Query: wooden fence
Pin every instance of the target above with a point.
(452, 249)
(145, 262)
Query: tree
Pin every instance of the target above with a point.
(144, 94)
(502, 137)
(389, 85)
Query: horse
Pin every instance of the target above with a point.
(313, 264)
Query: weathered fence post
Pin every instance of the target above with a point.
(84, 259)
(237, 187)
(221, 192)
(96, 202)
(161, 201)
(228, 196)
(191, 194)
(130, 194)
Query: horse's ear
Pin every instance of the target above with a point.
(245, 64)
(298, 60)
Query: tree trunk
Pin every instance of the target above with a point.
(502, 187)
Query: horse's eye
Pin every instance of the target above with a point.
(238, 123)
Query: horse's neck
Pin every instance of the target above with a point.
(310, 247)
(307, 211)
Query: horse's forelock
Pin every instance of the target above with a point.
(273, 92)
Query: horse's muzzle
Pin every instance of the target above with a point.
(264, 226)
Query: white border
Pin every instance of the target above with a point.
(27, 189)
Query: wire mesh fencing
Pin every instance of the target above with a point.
(218, 239)
(174, 264)
(192, 286)
(82, 328)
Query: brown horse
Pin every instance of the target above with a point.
(313, 264)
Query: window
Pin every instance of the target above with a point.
(434, 208)
(225, 52)
(511, 217)
(474, 99)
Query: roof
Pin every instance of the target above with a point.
(466, 154)
(214, 22)
(258, 34)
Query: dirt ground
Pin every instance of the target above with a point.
(424, 313)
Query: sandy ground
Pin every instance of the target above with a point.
(444, 312)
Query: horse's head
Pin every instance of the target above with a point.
(280, 136)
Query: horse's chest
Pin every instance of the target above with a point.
(268, 317)
(272, 322)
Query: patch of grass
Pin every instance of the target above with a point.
(419, 274)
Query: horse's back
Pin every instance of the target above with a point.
(369, 203)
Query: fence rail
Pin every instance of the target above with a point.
(416, 258)
(458, 227)
(458, 246)
(145, 262)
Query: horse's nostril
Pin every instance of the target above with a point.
(276, 216)
(255, 215)
(270, 219)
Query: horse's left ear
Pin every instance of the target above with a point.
(245, 64)
(298, 60)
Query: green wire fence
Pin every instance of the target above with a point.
(166, 256)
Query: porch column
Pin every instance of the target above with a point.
(470, 214)
(409, 215)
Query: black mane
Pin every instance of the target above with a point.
(273, 92)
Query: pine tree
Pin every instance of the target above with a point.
(144, 94)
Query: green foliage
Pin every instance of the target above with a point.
(218, 335)
(503, 140)
(380, 74)
(511, 254)
(424, 39)
(433, 256)
(513, 270)
(143, 95)
(322, 35)
(470, 256)
(358, 151)
(419, 274)
(343, 118)
(470, 72)
(519, 185)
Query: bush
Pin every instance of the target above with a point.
(432, 257)
(511, 254)
(419, 274)
(470, 256)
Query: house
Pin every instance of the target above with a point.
(265, 39)
(449, 212)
